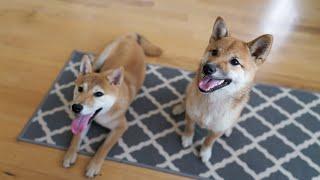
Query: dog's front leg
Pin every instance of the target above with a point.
(228, 132)
(188, 133)
(206, 149)
(71, 154)
(96, 162)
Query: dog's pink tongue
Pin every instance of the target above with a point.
(208, 83)
(80, 123)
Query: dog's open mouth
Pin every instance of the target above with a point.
(209, 84)
(82, 122)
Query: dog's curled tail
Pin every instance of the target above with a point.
(148, 48)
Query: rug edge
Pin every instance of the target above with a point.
(74, 52)
(163, 170)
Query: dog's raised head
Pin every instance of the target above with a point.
(229, 64)
(93, 93)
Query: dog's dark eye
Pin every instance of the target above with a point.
(234, 62)
(214, 52)
(98, 94)
(80, 89)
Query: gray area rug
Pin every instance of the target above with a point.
(278, 136)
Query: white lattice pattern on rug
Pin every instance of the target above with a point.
(277, 137)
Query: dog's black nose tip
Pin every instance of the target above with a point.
(209, 69)
(76, 108)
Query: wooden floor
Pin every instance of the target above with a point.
(37, 37)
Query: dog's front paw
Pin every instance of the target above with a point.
(69, 159)
(186, 140)
(93, 168)
(228, 132)
(205, 154)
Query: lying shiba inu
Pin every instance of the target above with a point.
(104, 90)
(220, 89)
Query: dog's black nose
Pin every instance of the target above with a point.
(209, 69)
(77, 108)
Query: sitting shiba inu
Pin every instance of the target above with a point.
(103, 92)
(220, 89)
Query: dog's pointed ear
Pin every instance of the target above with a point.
(116, 76)
(86, 66)
(260, 48)
(220, 29)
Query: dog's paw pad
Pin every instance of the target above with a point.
(186, 141)
(178, 109)
(205, 154)
(69, 160)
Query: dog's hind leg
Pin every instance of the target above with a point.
(179, 109)
(98, 63)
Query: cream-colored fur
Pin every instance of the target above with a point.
(219, 110)
(120, 74)
(212, 111)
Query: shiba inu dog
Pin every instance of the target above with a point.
(103, 91)
(220, 89)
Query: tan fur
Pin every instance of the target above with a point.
(124, 55)
(219, 110)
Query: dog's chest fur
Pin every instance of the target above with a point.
(216, 111)
(108, 120)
